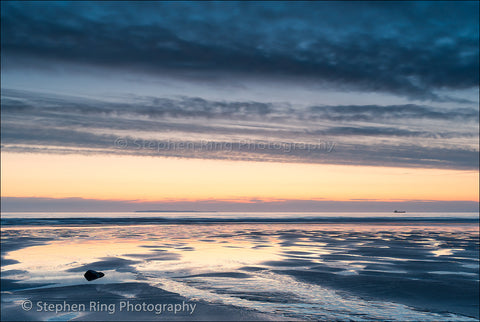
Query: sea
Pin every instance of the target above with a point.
(219, 266)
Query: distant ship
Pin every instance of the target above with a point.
(399, 211)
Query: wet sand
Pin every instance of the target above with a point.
(245, 271)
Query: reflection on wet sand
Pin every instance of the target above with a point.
(285, 270)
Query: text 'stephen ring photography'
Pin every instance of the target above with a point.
(240, 161)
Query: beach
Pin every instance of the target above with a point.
(240, 161)
(410, 271)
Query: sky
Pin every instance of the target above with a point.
(240, 106)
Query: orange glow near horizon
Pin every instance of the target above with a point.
(162, 179)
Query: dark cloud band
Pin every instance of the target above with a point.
(417, 51)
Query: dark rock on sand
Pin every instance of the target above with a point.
(92, 275)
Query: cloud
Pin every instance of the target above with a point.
(413, 50)
(378, 112)
(388, 132)
(157, 108)
(193, 127)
